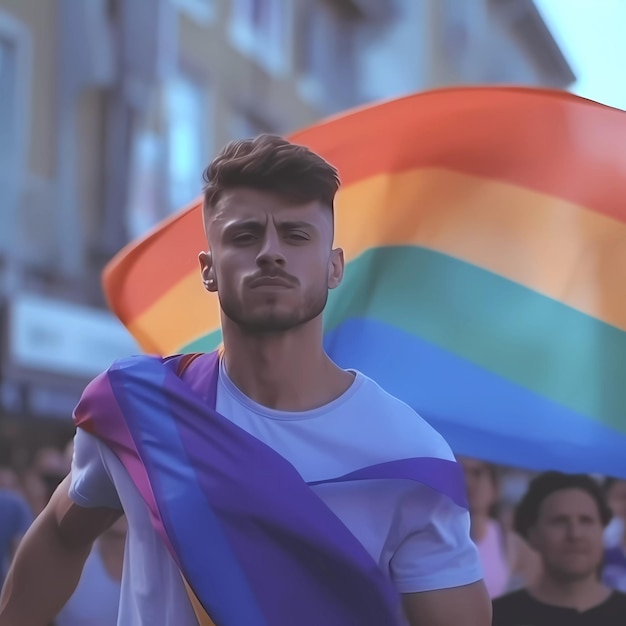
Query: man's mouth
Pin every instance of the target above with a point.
(270, 281)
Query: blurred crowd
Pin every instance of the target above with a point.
(552, 545)
(29, 476)
(513, 558)
(509, 562)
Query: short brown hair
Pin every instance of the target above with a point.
(271, 163)
(544, 485)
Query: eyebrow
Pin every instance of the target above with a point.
(258, 226)
(253, 225)
(295, 225)
(566, 516)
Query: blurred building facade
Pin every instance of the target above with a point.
(110, 109)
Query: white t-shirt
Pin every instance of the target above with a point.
(416, 535)
(96, 598)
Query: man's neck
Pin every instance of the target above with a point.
(286, 371)
(582, 594)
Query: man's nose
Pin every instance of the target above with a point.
(271, 252)
(575, 530)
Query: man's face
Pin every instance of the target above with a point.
(271, 261)
(569, 534)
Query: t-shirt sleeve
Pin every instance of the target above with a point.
(91, 484)
(434, 550)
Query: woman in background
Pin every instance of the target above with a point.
(507, 560)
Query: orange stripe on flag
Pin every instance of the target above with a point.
(539, 139)
(140, 273)
(198, 609)
(201, 313)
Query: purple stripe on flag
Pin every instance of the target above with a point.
(201, 546)
(442, 475)
(111, 427)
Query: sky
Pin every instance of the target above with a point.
(591, 34)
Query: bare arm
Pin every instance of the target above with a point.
(15, 542)
(22, 518)
(468, 605)
(50, 559)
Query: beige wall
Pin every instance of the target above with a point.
(40, 17)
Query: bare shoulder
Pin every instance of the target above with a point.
(468, 605)
(77, 525)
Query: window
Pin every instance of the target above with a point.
(15, 69)
(169, 152)
(187, 150)
(325, 54)
(8, 89)
(457, 19)
(201, 11)
(246, 125)
(260, 29)
(15, 77)
(145, 202)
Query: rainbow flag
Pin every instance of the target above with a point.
(485, 234)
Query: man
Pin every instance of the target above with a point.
(563, 517)
(274, 404)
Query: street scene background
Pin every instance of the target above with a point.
(111, 109)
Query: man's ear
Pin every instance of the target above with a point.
(335, 268)
(207, 271)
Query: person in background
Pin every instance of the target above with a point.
(512, 485)
(507, 560)
(563, 517)
(95, 602)
(614, 571)
(15, 519)
(9, 479)
(47, 469)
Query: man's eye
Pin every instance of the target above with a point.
(243, 238)
(298, 236)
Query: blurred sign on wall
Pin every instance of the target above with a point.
(49, 335)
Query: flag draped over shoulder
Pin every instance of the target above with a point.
(254, 544)
(485, 239)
